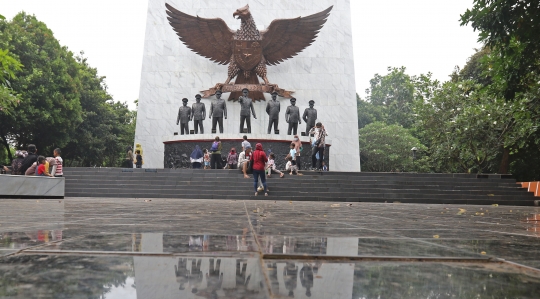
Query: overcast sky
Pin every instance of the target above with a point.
(422, 35)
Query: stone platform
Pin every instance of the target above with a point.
(164, 248)
(20, 186)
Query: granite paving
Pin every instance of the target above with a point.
(171, 248)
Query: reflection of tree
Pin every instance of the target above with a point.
(62, 276)
(428, 280)
(182, 273)
(290, 275)
(196, 276)
(214, 278)
(306, 278)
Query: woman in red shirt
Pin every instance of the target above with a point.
(259, 159)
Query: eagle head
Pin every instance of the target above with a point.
(242, 13)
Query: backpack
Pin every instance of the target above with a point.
(215, 146)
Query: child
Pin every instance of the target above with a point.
(289, 166)
(271, 166)
(41, 170)
(244, 143)
(138, 157)
(206, 159)
(58, 172)
(232, 159)
(292, 156)
(324, 167)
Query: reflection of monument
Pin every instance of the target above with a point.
(323, 72)
(182, 273)
(290, 275)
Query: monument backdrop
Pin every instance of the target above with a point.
(323, 72)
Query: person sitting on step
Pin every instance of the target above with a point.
(243, 161)
(271, 166)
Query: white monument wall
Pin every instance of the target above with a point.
(324, 72)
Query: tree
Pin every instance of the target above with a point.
(471, 130)
(511, 29)
(8, 66)
(368, 113)
(48, 87)
(394, 93)
(107, 126)
(386, 148)
(394, 96)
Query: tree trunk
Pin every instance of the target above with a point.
(505, 162)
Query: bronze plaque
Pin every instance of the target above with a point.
(247, 54)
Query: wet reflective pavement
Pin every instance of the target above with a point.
(137, 248)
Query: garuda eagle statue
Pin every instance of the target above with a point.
(247, 51)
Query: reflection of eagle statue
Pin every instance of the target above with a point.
(248, 50)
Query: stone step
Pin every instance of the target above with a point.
(306, 187)
(330, 186)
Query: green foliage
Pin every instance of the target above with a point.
(107, 127)
(368, 113)
(8, 66)
(394, 93)
(387, 148)
(64, 103)
(48, 86)
(510, 29)
(392, 97)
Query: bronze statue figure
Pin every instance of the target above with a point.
(272, 109)
(198, 114)
(218, 109)
(292, 117)
(310, 116)
(246, 104)
(247, 51)
(184, 115)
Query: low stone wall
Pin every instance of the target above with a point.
(175, 150)
(31, 186)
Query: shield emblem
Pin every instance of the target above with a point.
(247, 54)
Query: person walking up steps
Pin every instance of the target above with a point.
(259, 160)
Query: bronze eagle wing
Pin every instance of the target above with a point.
(285, 38)
(210, 38)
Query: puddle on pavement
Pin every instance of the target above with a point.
(30, 276)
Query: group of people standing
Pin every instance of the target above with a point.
(29, 163)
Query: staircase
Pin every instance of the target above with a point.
(312, 186)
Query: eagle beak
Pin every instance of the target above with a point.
(236, 13)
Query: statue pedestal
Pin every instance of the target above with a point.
(178, 148)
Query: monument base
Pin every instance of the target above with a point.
(177, 151)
